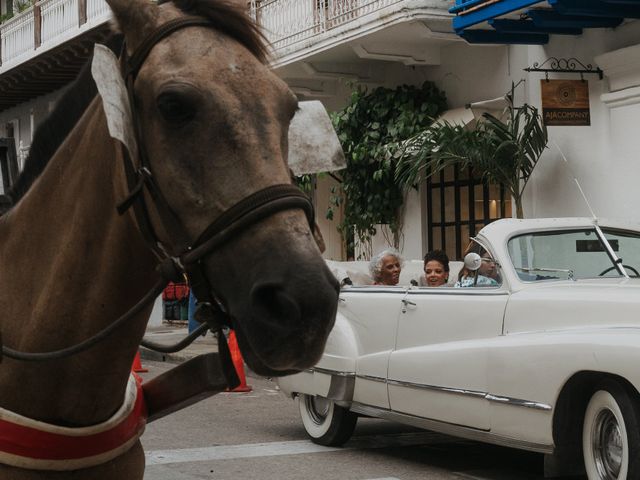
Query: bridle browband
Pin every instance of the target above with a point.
(183, 257)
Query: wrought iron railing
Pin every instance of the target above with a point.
(287, 22)
(46, 24)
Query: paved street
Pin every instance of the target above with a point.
(258, 435)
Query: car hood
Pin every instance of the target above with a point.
(588, 303)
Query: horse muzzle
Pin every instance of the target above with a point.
(286, 323)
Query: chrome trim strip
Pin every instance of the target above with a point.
(451, 429)
(371, 378)
(375, 289)
(422, 386)
(511, 401)
(498, 290)
(516, 402)
(332, 372)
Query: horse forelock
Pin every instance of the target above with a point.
(229, 18)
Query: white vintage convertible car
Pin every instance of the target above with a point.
(548, 360)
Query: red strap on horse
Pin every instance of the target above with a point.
(35, 445)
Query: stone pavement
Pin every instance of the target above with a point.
(170, 333)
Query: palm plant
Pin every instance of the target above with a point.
(502, 152)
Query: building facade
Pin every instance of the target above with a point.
(387, 43)
(43, 45)
(325, 48)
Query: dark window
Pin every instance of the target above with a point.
(8, 163)
(459, 204)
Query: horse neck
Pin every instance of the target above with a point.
(70, 267)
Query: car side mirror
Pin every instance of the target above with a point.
(472, 261)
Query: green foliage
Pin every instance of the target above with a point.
(22, 5)
(503, 153)
(370, 193)
(19, 6)
(305, 183)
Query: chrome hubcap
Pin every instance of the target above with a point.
(607, 445)
(318, 408)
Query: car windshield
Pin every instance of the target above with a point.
(573, 254)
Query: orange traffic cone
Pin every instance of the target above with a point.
(137, 364)
(238, 363)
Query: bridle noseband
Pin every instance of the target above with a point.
(184, 256)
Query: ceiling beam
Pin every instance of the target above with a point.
(494, 37)
(552, 19)
(504, 25)
(595, 8)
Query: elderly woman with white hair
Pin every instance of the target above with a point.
(385, 267)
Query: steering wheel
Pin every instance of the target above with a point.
(627, 267)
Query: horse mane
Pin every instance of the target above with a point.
(57, 125)
(225, 16)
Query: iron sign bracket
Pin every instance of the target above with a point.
(565, 65)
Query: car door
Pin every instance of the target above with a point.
(373, 314)
(438, 369)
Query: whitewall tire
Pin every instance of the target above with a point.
(610, 435)
(324, 421)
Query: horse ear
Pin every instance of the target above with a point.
(133, 18)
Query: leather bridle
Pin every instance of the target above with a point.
(182, 257)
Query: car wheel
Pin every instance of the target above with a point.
(325, 422)
(611, 435)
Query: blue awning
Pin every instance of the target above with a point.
(531, 22)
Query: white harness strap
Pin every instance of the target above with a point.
(36, 445)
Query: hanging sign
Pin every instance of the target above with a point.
(565, 102)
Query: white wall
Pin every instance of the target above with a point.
(329, 228)
(604, 156)
(22, 113)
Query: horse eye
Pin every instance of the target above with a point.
(176, 108)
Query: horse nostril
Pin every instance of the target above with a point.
(272, 305)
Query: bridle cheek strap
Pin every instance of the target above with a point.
(183, 255)
(34, 445)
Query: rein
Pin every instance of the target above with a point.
(188, 255)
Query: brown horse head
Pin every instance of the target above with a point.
(214, 123)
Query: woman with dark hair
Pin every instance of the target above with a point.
(436, 268)
(485, 276)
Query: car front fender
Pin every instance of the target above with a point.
(333, 376)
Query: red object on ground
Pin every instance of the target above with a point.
(137, 364)
(238, 363)
(175, 291)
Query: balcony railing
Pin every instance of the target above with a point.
(287, 22)
(47, 24)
